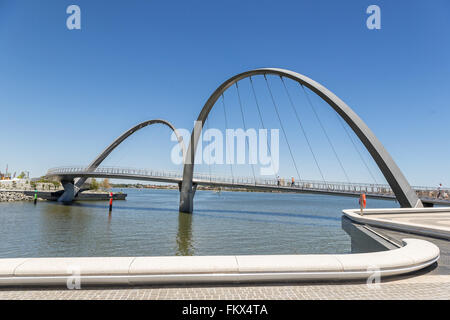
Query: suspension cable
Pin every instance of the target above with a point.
(303, 129)
(245, 129)
(226, 126)
(282, 128)
(209, 160)
(357, 150)
(325, 132)
(262, 123)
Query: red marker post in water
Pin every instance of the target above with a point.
(110, 201)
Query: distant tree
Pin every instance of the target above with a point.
(105, 184)
(94, 184)
(22, 175)
(56, 184)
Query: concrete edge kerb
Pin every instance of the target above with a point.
(415, 255)
(400, 210)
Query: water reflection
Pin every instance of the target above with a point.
(109, 222)
(185, 246)
(149, 224)
(62, 228)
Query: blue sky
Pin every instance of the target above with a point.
(66, 94)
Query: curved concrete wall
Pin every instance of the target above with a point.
(416, 254)
(440, 230)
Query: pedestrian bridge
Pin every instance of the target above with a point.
(398, 186)
(377, 191)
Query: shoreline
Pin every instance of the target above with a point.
(8, 196)
(14, 196)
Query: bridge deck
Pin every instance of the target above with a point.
(314, 187)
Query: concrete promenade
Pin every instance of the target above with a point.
(432, 282)
(409, 272)
(434, 222)
(443, 264)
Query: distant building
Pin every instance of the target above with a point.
(5, 176)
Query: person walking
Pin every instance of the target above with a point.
(292, 182)
(278, 181)
(439, 193)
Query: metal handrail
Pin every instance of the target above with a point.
(204, 177)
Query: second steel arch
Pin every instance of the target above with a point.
(71, 189)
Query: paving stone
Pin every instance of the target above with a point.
(420, 287)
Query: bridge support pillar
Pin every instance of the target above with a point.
(187, 198)
(70, 191)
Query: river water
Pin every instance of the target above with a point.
(148, 224)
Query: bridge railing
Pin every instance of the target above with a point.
(199, 177)
(306, 184)
(113, 171)
(432, 192)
